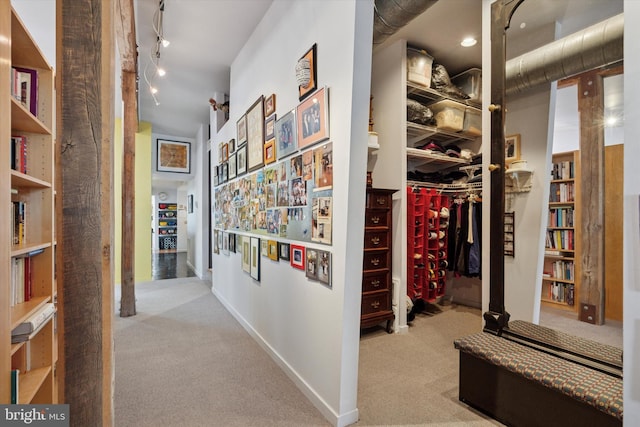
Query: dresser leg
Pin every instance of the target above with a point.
(389, 326)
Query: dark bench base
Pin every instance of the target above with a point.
(517, 401)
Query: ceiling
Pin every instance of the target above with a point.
(206, 36)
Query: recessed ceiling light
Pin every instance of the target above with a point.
(468, 42)
(524, 24)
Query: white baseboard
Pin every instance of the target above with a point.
(317, 401)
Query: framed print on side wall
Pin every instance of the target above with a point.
(232, 166)
(309, 58)
(283, 249)
(255, 135)
(270, 105)
(270, 127)
(241, 161)
(246, 254)
(173, 156)
(241, 127)
(269, 151)
(512, 148)
(313, 118)
(286, 134)
(255, 258)
(297, 256)
(272, 249)
(312, 264)
(324, 267)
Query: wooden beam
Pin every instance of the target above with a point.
(85, 129)
(591, 110)
(126, 35)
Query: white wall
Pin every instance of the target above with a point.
(631, 244)
(311, 331)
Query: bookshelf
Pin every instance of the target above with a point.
(560, 279)
(167, 226)
(27, 228)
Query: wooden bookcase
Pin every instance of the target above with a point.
(167, 226)
(561, 271)
(36, 358)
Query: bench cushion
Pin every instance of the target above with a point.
(602, 391)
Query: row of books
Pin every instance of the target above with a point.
(24, 87)
(561, 292)
(561, 270)
(19, 153)
(22, 278)
(561, 217)
(563, 170)
(559, 239)
(18, 217)
(561, 192)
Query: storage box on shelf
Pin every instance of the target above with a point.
(27, 190)
(560, 283)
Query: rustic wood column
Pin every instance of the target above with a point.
(591, 109)
(85, 133)
(126, 35)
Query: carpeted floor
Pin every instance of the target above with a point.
(184, 361)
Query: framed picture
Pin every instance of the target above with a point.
(297, 256)
(173, 156)
(232, 146)
(264, 248)
(270, 151)
(225, 243)
(283, 250)
(323, 160)
(255, 135)
(225, 172)
(238, 243)
(324, 267)
(190, 203)
(270, 105)
(286, 134)
(241, 126)
(308, 58)
(246, 254)
(241, 160)
(255, 258)
(311, 268)
(232, 243)
(270, 127)
(216, 246)
(512, 148)
(313, 118)
(232, 166)
(225, 152)
(272, 250)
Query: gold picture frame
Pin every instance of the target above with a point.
(512, 148)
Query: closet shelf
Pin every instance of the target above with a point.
(428, 96)
(446, 187)
(417, 133)
(424, 157)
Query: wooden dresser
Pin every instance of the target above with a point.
(376, 270)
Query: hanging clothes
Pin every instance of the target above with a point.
(465, 238)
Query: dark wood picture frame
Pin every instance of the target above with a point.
(241, 129)
(307, 90)
(255, 135)
(270, 105)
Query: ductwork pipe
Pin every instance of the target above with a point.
(594, 47)
(391, 15)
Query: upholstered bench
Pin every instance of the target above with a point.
(522, 386)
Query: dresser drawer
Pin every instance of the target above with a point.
(378, 200)
(376, 239)
(375, 218)
(375, 281)
(375, 260)
(375, 302)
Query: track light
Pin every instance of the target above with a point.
(161, 72)
(153, 90)
(165, 42)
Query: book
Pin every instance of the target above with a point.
(28, 88)
(15, 386)
(35, 321)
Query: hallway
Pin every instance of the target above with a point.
(170, 265)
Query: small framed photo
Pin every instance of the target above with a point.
(225, 243)
(255, 135)
(270, 151)
(232, 166)
(324, 267)
(225, 172)
(286, 134)
(270, 127)
(512, 148)
(264, 248)
(232, 146)
(297, 256)
(232, 243)
(308, 59)
(190, 203)
(272, 250)
(270, 105)
(241, 126)
(173, 156)
(246, 254)
(241, 160)
(313, 118)
(216, 246)
(225, 152)
(283, 250)
(255, 258)
(312, 264)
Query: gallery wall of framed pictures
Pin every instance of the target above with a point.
(275, 181)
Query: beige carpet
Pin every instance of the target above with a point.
(184, 361)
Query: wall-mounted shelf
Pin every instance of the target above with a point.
(518, 180)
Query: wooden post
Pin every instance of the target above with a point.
(591, 106)
(126, 35)
(85, 133)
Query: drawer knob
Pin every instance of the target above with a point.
(375, 240)
(375, 261)
(375, 304)
(375, 219)
(375, 283)
(382, 201)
